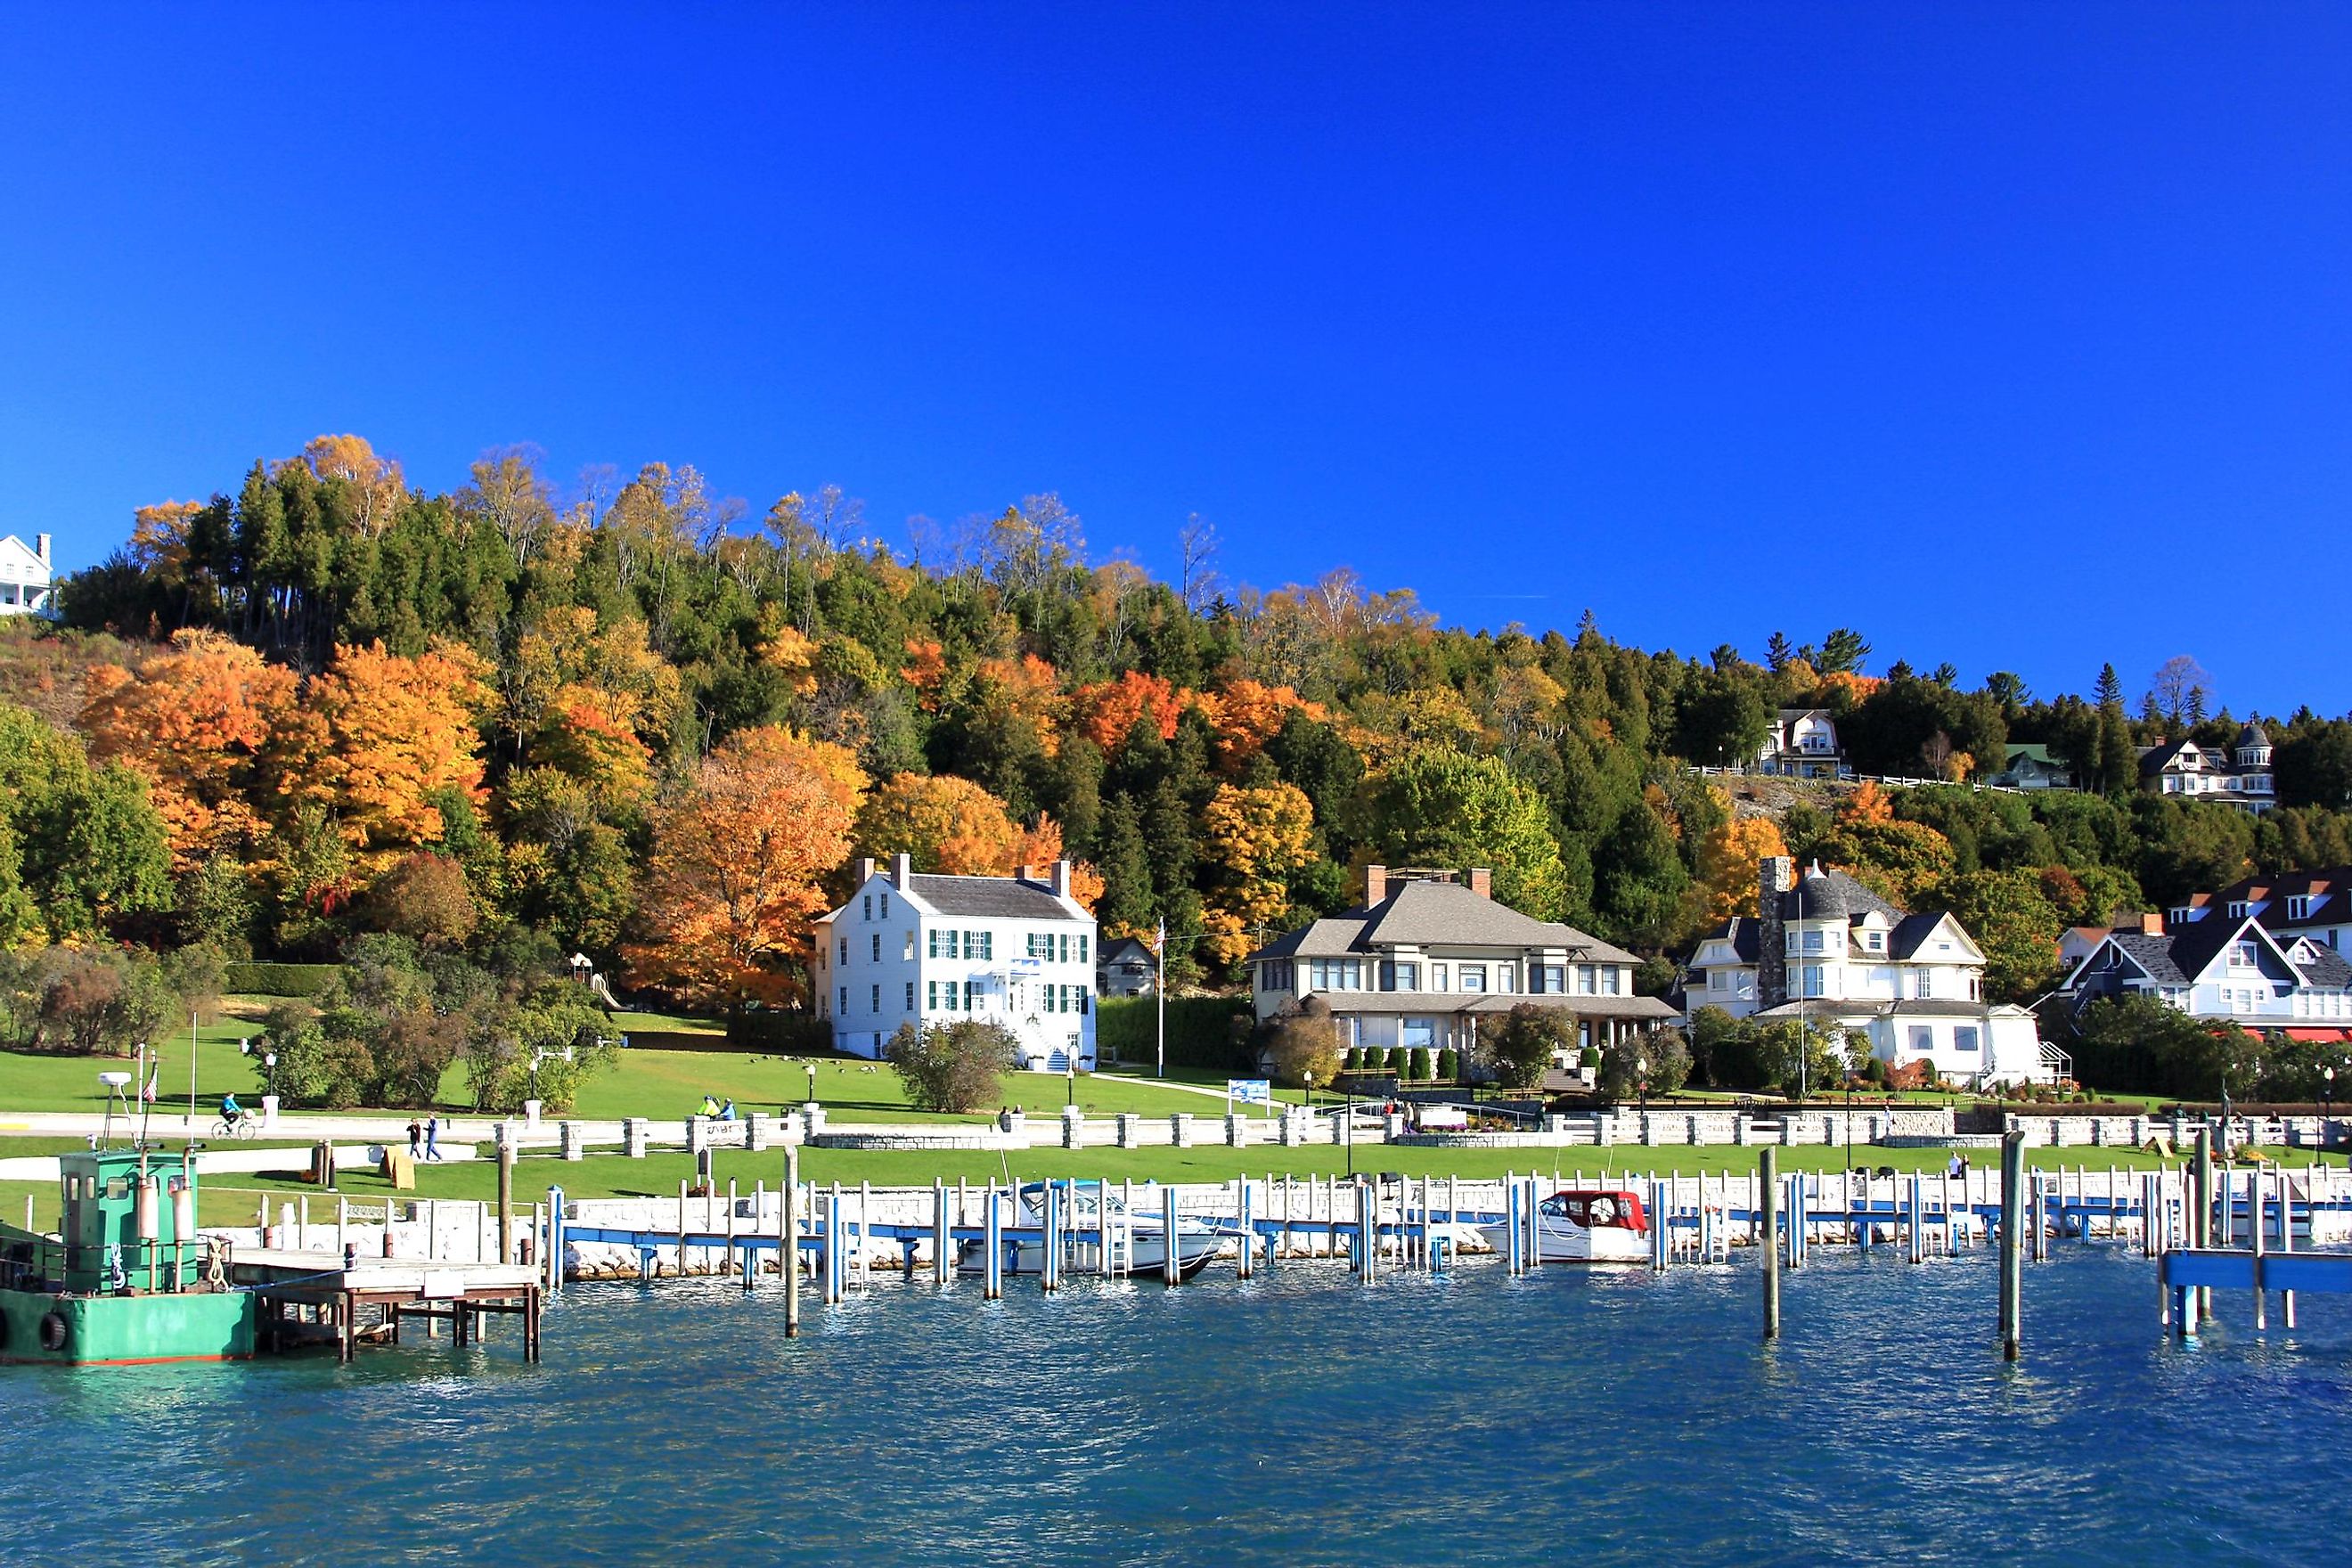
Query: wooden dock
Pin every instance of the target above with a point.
(337, 1291)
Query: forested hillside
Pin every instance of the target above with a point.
(641, 722)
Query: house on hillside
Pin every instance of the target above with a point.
(27, 587)
(1126, 968)
(2224, 968)
(909, 948)
(1825, 949)
(1802, 743)
(1429, 958)
(2316, 904)
(2240, 776)
(2032, 768)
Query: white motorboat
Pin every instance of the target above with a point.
(1585, 1226)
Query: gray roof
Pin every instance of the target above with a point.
(2253, 735)
(1490, 1002)
(1005, 897)
(2327, 967)
(1436, 914)
(1910, 931)
(2152, 954)
(1822, 895)
(1740, 931)
(1878, 1007)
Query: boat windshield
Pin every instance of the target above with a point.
(1594, 1211)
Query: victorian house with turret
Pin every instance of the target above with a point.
(1825, 949)
(2239, 775)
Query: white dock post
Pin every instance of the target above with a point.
(788, 1240)
(1102, 1226)
(681, 1227)
(942, 1243)
(1049, 1225)
(2287, 1239)
(2255, 1237)
(1768, 1191)
(1171, 1266)
(993, 1231)
(727, 1259)
(865, 1240)
(1242, 1219)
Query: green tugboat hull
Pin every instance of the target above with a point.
(38, 1327)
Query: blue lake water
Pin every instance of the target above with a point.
(1295, 1418)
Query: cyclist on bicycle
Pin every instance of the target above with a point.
(231, 1111)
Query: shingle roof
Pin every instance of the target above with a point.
(2253, 735)
(1488, 1002)
(2152, 954)
(1910, 931)
(1436, 914)
(1832, 895)
(1740, 931)
(2327, 968)
(1005, 897)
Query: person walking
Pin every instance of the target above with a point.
(415, 1137)
(432, 1132)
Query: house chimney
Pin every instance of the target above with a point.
(1061, 883)
(1376, 884)
(41, 547)
(2151, 922)
(1482, 882)
(865, 869)
(1025, 872)
(902, 871)
(1774, 876)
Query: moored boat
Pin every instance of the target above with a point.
(1096, 1223)
(1585, 1226)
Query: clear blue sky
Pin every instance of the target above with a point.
(2015, 336)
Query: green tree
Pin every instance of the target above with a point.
(1444, 807)
(89, 845)
(1521, 1050)
(1656, 1061)
(957, 1067)
(1303, 1042)
(2014, 923)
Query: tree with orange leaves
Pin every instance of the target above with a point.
(1041, 845)
(926, 671)
(1729, 858)
(736, 866)
(198, 722)
(381, 735)
(1256, 838)
(950, 826)
(1249, 713)
(1108, 710)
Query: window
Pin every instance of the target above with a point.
(1923, 983)
(910, 995)
(1923, 1039)
(910, 953)
(1964, 1038)
(979, 944)
(2298, 908)
(1812, 941)
(1976, 987)
(2238, 908)
(1473, 977)
(1437, 978)
(1586, 980)
(886, 906)
(1551, 978)
(877, 998)
(972, 995)
(1396, 976)
(1419, 1032)
(1506, 977)
(844, 950)
(845, 1001)
(1335, 975)
(1274, 975)
(1813, 980)
(1874, 941)
(1083, 940)
(1718, 980)
(877, 947)
(869, 906)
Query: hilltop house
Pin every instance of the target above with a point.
(1126, 968)
(2224, 968)
(2240, 776)
(1430, 957)
(1825, 949)
(920, 949)
(1802, 743)
(25, 584)
(2032, 768)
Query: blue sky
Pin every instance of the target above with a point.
(2015, 336)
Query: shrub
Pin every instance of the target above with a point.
(1304, 1042)
(425, 896)
(1524, 1042)
(1420, 1070)
(1874, 1072)
(952, 1066)
(1589, 1058)
(306, 980)
(1656, 1058)
(502, 1040)
(95, 1003)
(1449, 1065)
(1352, 1060)
(1376, 1059)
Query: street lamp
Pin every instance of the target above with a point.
(1070, 1079)
(270, 1071)
(1309, 1080)
(1642, 1081)
(2326, 1091)
(811, 1072)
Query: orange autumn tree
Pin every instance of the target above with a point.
(1041, 845)
(198, 722)
(1247, 714)
(1729, 858)
(1108, 710)
(736, 868)
(380, 735)
(1256, 838)
(950, 826)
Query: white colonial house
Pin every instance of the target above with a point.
(2224, 968)
(1825, 949)
(920, 949)
(1430, 957)
(2240, 776)
(1802, 742)
(26, 586)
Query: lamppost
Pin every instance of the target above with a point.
(1070, 1080)
(1642, 1081)
(1309, 1079)
(812, 1075)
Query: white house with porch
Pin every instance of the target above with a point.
(914, 948)
(25, 582)
(1828, 951)
(2224, 969)
(1430, 957)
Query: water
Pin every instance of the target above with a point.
(1293, 1419)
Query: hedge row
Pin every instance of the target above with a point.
(278, 978)
(1202, 1032)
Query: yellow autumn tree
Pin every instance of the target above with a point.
(198, 722)
(380, 735)
(1730, 860)
(950, 826)
(737, 865)
(1255, 836)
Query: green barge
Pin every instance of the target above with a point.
(127, 1280)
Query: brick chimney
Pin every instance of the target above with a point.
(41, 547)
(1775, 874)
(1482, 882)
(865, 869)
(2151, 922)
(1061, 883)
(902, 871)
(1025, 872)
(1376, 884)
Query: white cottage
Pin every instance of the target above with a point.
(25, 583)
(920, 949)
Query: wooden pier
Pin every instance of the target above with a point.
(337, 1291)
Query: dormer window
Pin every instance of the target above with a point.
(2180, 914)
(1874, 941)
(2241, 955)
(2240, 909)
(2298, 908)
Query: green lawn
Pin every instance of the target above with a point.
(39, 1082)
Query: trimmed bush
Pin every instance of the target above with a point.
(305, 979)
(1449, 1065)
(1420, 1070)
(1352, 1060)
(1202, 1032)
(1590, 1059)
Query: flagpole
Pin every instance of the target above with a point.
(192, 1072)
(1160, 997)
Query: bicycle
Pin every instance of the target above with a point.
(242, 1127)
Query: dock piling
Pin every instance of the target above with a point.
(789, 1241)
(1768, 1186)
(506, 1205)
(2012, 1243)
(1171, 1267)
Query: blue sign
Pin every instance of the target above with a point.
(1250, 1090)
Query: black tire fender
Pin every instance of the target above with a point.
(56, 1334)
